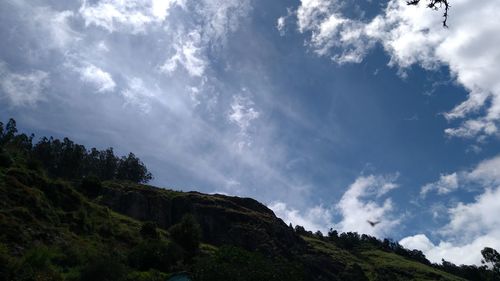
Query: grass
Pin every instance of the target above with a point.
(379, 265)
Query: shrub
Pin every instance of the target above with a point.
(148, 230)
(5, 263)
(104, 269)
(155, 254)
(5, 159)
(187, 233)
(91, 186)
(37, 264)
(236, 264)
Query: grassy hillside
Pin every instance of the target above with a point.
(86, 227)
(380, 265)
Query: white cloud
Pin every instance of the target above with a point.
(280, 25)
(242, 112)
(50, 28)
(487, 172)
(445, 184)
(413, 35)
(358, 205)
(189, 54)
(101, 79)
(471, 226)
(129, 15)
(57, 25)
(22, 88)
(316, 218)
(343, 39)
(138, 94)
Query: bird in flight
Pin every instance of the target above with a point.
(373, 223)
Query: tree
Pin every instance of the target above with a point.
(187, 233)
(435, 5)
(131, 168)
(492, 257)
(7, 134)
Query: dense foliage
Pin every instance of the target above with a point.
(68, 160)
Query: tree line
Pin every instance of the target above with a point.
(69, 160)
(352, 241)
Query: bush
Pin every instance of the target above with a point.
(155, 254)
(37, 264)
(91, 186)
(187, 233)
(104, 269)
(148, 230)
(5, 159)
(236, 264)
(5, 263)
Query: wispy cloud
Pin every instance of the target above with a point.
(22, 89)
(445, 184)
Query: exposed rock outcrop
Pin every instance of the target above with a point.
(242, 222)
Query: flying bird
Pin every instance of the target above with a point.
(373, 223)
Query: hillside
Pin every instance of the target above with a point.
(88, 228)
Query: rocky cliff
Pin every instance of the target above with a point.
(225, 220)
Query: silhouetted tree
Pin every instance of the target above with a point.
(131, 168)
(492, 257)
(435, 5)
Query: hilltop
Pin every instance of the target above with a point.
(96, 219)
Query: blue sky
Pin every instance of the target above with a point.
(328, 112)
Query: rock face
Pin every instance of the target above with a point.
(242, 222)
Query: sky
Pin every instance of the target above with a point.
(330, 113)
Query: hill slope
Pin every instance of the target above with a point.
(36, 212)
(61, 228)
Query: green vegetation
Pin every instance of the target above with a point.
(68, 213)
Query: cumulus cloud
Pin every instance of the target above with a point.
(445, 184)
(316, 218)
(358, 205)
(413, 35)
(22, 89)
(469, 253)
(471, 226)
(100, 79)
